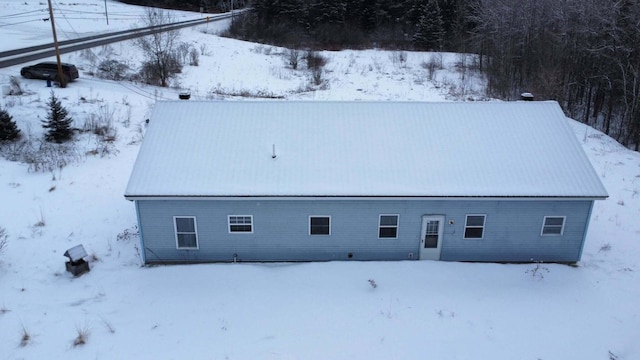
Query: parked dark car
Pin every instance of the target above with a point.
(48, 70)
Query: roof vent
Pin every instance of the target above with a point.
(273, 151)
(526, 96)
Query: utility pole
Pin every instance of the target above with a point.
(61, 77)
(106, 14)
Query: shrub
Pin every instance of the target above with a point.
(182, 52)
(203, 49)
(317, 76)
(101, 123)
(315, 60)
(8, 129)
(538, 270)
(292, 56)
(128, 234)
(25, 337)
(83, 336)
(40, 155)
(49, 157)
(194, 57)
(435, 63)
(158, 73)
(112, 70)
(16, 87)
(399, 57)
(104, 148)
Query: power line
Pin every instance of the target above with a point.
(65, 19)
(71, 14)
(44, 10)
(24, 22)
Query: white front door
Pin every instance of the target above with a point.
(431, 237)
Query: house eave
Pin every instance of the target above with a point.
(355, 197)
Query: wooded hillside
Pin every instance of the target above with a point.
(583, 53)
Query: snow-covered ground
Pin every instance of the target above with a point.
(418, 310)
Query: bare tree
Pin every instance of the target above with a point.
(159, 48)
(583, 53)
(292, 56)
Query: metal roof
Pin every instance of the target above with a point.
(405, 149)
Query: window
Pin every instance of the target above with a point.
(553, 225)
(240, 223)
(388, 226)
(319, 225)
(474, 227)
(186, 234)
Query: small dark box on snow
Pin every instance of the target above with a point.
(76, 264)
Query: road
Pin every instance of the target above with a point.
(19, 56)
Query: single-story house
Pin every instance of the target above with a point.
(317, 181)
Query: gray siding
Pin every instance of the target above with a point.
(281, 230)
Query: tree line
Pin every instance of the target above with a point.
(208, 6)
(583, 53)
(420, 24)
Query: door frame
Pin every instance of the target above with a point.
(431, 253)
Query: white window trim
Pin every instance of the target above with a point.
(564, 222)
(239, 232)
(484, 222)
(175, 232)
(319, 216)
(397, 226)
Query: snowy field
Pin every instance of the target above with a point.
(418, 310)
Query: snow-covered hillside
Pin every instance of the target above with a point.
(418, 310)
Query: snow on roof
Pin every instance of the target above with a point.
(76, 253)
(454, 149)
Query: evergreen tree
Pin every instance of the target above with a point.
(8, 128)
(429, 30)
(293, 11)
(328, 12)
(451, 23)
(265, 10)
(58, 122)
(392, 11)
(414, 11)
(362, 13)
